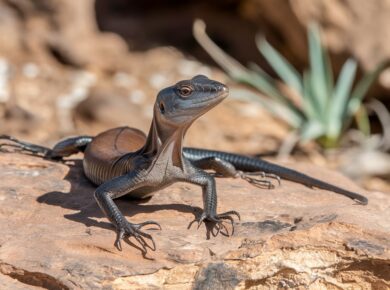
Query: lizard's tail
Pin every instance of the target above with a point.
(250, 164)
(21, 146)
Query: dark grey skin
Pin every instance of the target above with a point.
(124, 161)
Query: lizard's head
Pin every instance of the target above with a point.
(188, 99)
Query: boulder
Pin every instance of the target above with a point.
(347, 28)
(54, 236)
(58, 31)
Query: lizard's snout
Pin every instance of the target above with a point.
(224, 89)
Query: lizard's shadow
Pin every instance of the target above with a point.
(80, 198)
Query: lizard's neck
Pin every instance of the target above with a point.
(165, 143)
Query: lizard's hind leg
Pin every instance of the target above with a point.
(62, 149)
(224, 168)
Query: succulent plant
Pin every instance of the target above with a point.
(322, 109)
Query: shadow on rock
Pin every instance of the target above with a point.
(80, 198)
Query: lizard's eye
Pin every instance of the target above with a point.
(162, 107)
(185, 91)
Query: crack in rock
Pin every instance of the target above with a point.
(32, 278)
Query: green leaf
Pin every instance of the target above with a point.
(328, 72)
(310, 103)
(266, 84)
(229, 64)
(363, 85)
(340, 98)
(278, 110)
(257, 69)
(281, 66)
(318, 65)
(362, 121)
(312, 130)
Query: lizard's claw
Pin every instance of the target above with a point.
(218, 221)
(7, 137)
(134, 230)
(259, 178)
(4, 145)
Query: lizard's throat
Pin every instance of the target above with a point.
(165, 142)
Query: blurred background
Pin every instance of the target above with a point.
(309, 79)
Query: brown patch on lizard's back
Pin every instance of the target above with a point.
(108, 147)
(116, 142)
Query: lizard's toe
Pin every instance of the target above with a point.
(217, 222)
(125, 232)
(260, 179)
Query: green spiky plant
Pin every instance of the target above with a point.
(323, 109)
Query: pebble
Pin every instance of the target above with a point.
(158, 81)
(31, 70)
(124, 80)
(4, 80)
(137, 97)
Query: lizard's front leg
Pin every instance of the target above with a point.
(207, 182)
(115, 188)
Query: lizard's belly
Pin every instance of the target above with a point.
(149, 190)
(144, 192)
(156, 182)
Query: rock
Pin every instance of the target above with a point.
(54, 235)
(44, 31)
(348, 26)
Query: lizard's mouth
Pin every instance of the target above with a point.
(220, 93)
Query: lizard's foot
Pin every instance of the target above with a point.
(128, 230)
(218, 220)
(260, 178)
(21, 146)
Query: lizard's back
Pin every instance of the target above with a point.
(102, 157)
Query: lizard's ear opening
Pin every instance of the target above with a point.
(162, 107)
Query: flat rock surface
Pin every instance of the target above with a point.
(54, 236)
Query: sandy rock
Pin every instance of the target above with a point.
(63, 31)
(6, 282)
(55, 236)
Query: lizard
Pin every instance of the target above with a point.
(125, 161)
